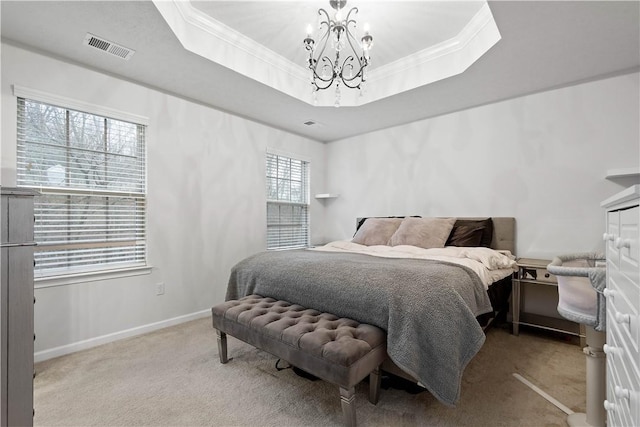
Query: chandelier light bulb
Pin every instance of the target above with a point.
(309, 30)
(325, 71)
(367, 43)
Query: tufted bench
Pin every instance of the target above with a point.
(338, 350)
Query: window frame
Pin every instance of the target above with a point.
(96, 272)
(280, 203)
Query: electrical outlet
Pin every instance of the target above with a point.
(159, 288)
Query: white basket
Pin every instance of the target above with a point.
(581, 282)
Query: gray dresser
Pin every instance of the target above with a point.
(16, 307)
(623, 306)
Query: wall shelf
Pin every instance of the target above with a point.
(326, 196)
(623, 173)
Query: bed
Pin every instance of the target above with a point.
(430, 283)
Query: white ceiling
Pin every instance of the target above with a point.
(544, 45)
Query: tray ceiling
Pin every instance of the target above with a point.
(262, 41)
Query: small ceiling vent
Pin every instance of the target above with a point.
(314, 123)
(108, 47)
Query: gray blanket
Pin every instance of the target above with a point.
(428, 308)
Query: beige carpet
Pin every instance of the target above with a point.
(172, 377)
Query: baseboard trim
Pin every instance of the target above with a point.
(104, 339)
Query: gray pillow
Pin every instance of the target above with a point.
(376, 231)
(423, 232)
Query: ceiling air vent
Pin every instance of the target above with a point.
(108, 47)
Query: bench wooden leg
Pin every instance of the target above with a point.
(347, 399)
(374, 386)
(222, 346)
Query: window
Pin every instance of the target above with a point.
(90, 171)
(287, 202)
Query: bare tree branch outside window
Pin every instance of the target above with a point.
(90, 171)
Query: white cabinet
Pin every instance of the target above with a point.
(623, 306)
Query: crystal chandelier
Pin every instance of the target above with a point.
(348, 68)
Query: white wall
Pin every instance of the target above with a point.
(540, 158)
(206, 201)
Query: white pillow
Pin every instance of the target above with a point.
(423, 232)
(376, 231)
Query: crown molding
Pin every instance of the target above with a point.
(470, 31)
(445, 59)
(204, 36)
(237, 40)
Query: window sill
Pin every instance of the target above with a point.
(70, 279)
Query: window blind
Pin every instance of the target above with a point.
(287, 202)
(90, 171)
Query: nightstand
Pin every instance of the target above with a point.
(533, 273)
